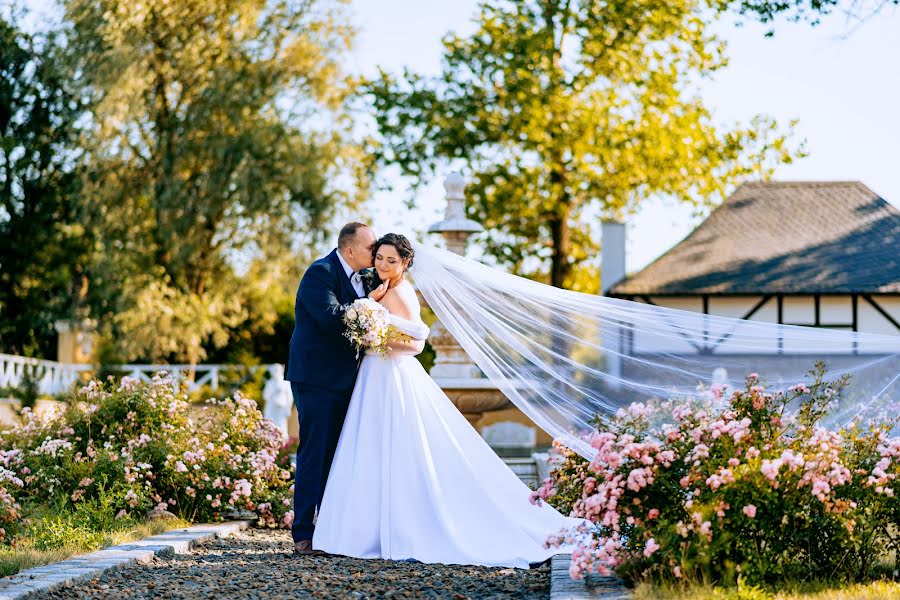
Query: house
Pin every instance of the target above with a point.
(821, 254)
(817, 254)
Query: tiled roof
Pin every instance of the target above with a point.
(783, 237)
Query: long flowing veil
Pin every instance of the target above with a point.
(563, 357)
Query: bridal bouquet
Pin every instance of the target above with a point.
(368, 325)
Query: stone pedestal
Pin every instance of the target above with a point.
(463, 382)
(450, 360)
(473, 397)
(76, 341)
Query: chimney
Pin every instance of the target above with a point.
(612, 254)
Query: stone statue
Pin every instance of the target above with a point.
(278, 398)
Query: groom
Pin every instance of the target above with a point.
(322, 365)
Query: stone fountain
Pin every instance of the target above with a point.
(462, 381)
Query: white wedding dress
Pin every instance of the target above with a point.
(411, 478)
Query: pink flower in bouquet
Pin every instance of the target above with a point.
(750, 511)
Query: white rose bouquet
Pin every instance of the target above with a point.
(368, 325)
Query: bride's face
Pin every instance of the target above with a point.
(388, 263)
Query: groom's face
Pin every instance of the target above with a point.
(359, 253)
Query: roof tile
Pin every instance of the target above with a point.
(783, 237)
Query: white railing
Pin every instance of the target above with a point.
(57, 378)
(53, 377)
(193, 376)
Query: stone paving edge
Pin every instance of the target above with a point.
(85, 567)
(592, 587)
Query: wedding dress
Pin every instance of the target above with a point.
(411, 478)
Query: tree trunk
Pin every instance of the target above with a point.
(561, 238)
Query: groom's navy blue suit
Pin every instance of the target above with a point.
(321, 367)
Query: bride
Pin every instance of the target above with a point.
(410, 478)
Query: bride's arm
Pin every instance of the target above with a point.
(409, 346)
(405, 305)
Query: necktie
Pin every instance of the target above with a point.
(356, 282)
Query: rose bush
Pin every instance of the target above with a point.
(134, 446)
(730, 487)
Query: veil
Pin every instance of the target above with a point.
(564, 358)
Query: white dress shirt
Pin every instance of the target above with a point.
(355, 279)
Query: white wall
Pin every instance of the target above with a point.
(796, 310)
(873, 322)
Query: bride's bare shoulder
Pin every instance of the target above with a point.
(402, 301)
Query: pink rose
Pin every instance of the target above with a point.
(750, 511)
(651, 547)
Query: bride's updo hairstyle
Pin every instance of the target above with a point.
(400, 243)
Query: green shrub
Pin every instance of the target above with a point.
(735, 487)
(123, 447)
(53, 533)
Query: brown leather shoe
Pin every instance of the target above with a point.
(304, 548)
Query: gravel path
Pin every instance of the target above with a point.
(260, 564)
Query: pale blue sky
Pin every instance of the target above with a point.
(844, 89)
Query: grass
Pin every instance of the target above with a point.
(58, 540)
(876, 590)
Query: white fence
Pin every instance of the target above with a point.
(56, 378)
(193, 376)
(52, 377)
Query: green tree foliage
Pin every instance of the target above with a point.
(43, 240)
(217, 129)
(565, 111)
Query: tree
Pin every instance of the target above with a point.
(811, 11)
(43, 240)
(566, 111)
(217, 129)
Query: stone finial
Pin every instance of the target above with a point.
(455, 186)
(455, 227)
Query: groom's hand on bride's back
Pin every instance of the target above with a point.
(378, 293)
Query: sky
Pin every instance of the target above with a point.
(839, 80)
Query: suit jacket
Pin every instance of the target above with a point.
(319, 354)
